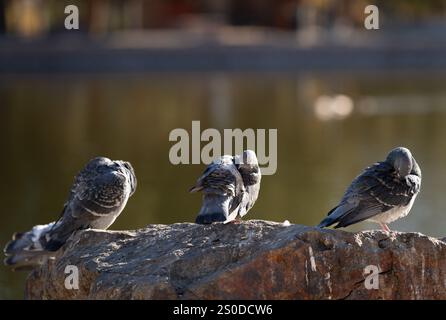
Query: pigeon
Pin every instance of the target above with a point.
(230, 188)
(382, 193)
(223, 189)
(99, 194)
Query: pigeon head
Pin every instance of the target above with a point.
(112, 177)
(226, 159)
(401, 159)
(96, 163)
(247, 161)
(248, 166)
(127, 169)
(415, 168)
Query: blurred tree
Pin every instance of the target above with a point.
(38, 17)
(99, 16)
(252, 12)
(133, 14)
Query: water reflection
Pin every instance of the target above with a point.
(51, 126)
(337, 107)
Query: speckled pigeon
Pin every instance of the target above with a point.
(222, 187)
(383, 193)
(97, 197)
(230, 188)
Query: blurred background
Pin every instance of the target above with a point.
(340, 96)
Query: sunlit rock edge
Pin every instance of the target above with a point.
(249, 260)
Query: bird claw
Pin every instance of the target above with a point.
(385, 227)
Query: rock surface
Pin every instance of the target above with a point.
(250, 260)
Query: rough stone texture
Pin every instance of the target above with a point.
(250, 260)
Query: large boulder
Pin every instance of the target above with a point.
(247, 260)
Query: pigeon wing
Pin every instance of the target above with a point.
(375, 191)
(89, 200)
(222, 179)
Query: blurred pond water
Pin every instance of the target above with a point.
(330, 127)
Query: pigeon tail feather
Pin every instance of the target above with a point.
(60, 233)
(335, 215)
(326, 222)
(195, 189)
(25, 250)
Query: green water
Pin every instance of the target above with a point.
(52, 125)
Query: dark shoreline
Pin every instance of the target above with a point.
(81, 54)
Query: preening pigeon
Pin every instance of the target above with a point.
(97, 197)
(383, 193)
(230, 188)
(248, 167)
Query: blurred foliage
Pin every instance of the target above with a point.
(35, 17)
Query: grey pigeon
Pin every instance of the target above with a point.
(222, 187)
(97, 197)
(248, 167)
(230, 188)
(383, 193)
